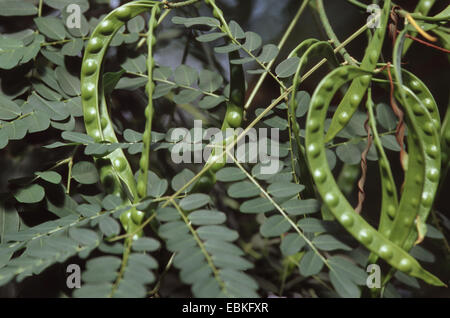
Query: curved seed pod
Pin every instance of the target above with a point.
(115, 170)
(445, 142)
(145, 156)
(421, 91)
(321, 49)
(426, 125)
(429, 143)
(423, 7)
(389, 202)
(358, 88)
(423, 94)
(308, 49)
(427, 161)
(389, 198)
(328, 189)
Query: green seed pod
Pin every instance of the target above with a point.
(358, 88)
(329, 191)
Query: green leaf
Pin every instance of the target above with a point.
(269, 52)
(386, 116)
(54, 55)
(185, 75)
(303, 99)
(145, 244)
(344, 267)
(136, 24)
(236, 30)
(32, 49)
(207, 217)
(102, 290)
(137, 64)
(221, 247)
(85, 172)
(173, 230)
(252, 41)
(300, 207)
(231, 262)
(310, 264)
(52, 27)
(131, 83)
(194, 201)
(288, 67)
(226, 48)
(349, 153)
(156, 186)
(46, 92)
(181, 179)
(257, 205)
(8, 109)
(162, 73)
(210, 81)
(230, 174)
(292, 244)
(50, 176)
(422, 254)
(77, 137)
(284, 189)
(111, 202)
(69, 83)
(73, 47)
(9, 221)
(407, 280)
(344, 286)
(243, 189)
(167, 214)
(327, 242)
(208, 37)
(11, 52)
(109, 226)
(132, 136)
(209, 102)
(390, 142)
(3, 138)
(186, 96)
(17, 8)
(188, 22)
(311, 225)
(55, 110)
(110, 80)
(88, 210)
(84, 236)
(62, 4)
(216, 232)
(274, 226)
(277, 122)
(16, 129)
(31, 194)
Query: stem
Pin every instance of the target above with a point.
(202, 247)
(40, 8)
(330, 32)
(122, 267)
(280, 45)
